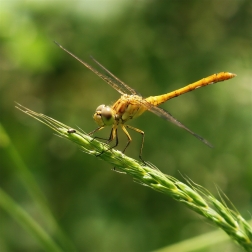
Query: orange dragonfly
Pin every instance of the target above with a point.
(131, 105)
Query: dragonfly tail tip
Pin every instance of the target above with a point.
(232, 75)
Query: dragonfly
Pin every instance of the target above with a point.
(131, 105)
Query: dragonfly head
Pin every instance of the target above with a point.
(104, 115)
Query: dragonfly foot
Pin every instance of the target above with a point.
(145, 163)
(97, 155)
(108, 149)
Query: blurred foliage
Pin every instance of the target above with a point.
(155, 47)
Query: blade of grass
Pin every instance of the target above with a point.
(194, 197)
(24, 219)
(33, 189)
(199, 242)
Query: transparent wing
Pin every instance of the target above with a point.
(168, 117)
(127, 87)
(115, 83)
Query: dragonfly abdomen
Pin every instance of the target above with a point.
(156, 100)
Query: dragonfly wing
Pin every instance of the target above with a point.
(168, 117)
(120, 88)
(123, 85)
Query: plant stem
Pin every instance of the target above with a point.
(193, 196)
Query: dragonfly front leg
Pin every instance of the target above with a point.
(129, 139)
(100, 138)
(108, 140)
(96, 137)
(113, 135)
(97, 129)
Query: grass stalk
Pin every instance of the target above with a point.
(193, 196)
(29, 224)
(31, 186)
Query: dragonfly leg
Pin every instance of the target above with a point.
(97, 129)
(128, 136)
(113, 135)
(129, 139)
(108, 140)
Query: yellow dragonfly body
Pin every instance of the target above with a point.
(131, 105)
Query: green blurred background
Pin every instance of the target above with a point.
(155, 47)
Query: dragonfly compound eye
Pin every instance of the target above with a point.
(104, 115)
(107, 115)
(100, 108)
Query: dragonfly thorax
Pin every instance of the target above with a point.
(104, 115)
